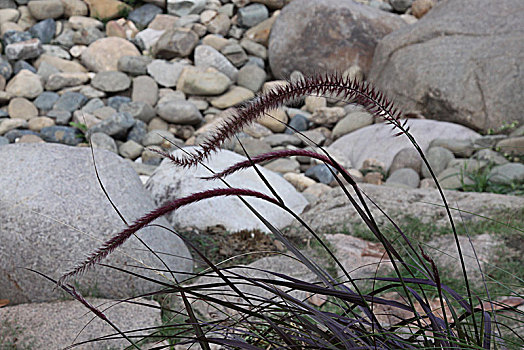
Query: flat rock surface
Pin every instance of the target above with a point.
(56, 325)
(50, 223)
(334, 213)
(170, 182)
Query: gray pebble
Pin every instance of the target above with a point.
(117, 125)
(70, 101)
(46, 100)
(103, 141)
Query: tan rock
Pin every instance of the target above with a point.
(38, 123)
(79, 22)
(9, 15)
(10, 124)
(25, 84)
(60, 64)
(4, 27)
(233, 97)
(44, 9)
(272, 84)
(260, 32)
(315, 102)
(299, 181)
(74, 8)
(274, 120)
(25, 21)
(107, 9)
(317, 189)
(162, 22)
(215, 41)
(22, 108)
(103, 54)
(374, 178)
(30, 138)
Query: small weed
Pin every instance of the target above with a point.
(483, 183)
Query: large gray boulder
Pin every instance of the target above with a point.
(53, 213)
(334, 213)
(378, 141)
(169, 182)
(461, 63)
(317, 35)
(55, 325)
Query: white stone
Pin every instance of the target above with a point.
(169, 182)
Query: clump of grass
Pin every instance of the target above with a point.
(259, 309)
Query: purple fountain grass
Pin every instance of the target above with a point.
(332, 84)
(116, 241)
(274, 155)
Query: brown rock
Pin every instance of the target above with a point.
(21, 108)
(113, 28)
(260, 32)
(327, 33)
(107, 9)
(420, 7)
(103, 54)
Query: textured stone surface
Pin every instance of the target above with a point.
(175, 42)
(103, 54)
(25, 84)
(449, 66)
(348, 33)
(378, 140)
(60, 218)
(38, 324)
(404, 176)
(170, 182)
(333, 212)
(202, 82)
(206, 56)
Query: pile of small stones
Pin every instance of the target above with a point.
(136, 79)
